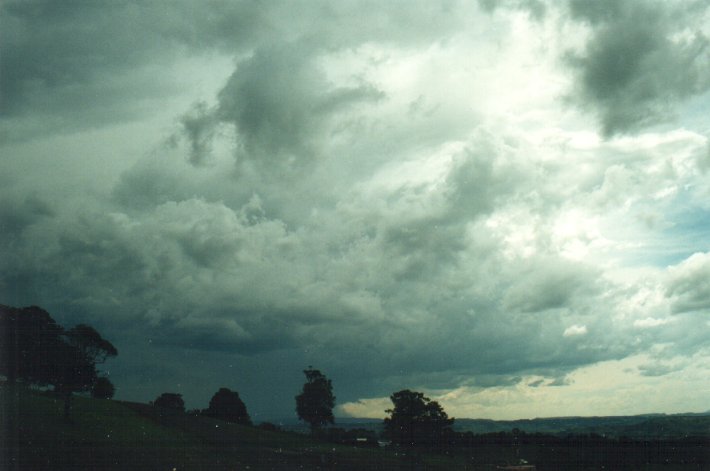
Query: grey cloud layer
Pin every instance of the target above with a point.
(94, 62)
(641, 57)
(407, 276)
(305, 216)
(75, 65)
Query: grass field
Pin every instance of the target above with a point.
(114, 435)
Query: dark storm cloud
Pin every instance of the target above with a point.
(549, 284)
(17, 213)
(395, 276)
(70, 57)
(278, 101)
(149, 184)
(304, 213)
(412, 289)
(199, 126)
(72, 65)
(635, 66)
(421, 243)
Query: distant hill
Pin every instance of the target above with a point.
(636, 426)
(348, 423)
(647, 426)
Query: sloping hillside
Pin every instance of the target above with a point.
(103, 434)
(112, 435)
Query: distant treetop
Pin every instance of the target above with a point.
(103, 388)
(171, 401)
(416, 419)
(228, 406)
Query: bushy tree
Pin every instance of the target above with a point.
(90, 343)
(227, 405)
(170, 401)
(416, 420)
(103, 388)
(74, 372)
(29, 341)
(36, 350)
(315, 403)
(83, 348)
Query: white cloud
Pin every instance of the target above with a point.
(367, 408)
(650, 322)
(575, 330)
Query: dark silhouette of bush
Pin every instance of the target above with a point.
(416, 420)
(316, 401)
(227, 405)
(103, 388)
(169, 402)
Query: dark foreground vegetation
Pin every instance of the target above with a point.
(115, 435)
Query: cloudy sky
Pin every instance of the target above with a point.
(505, 204)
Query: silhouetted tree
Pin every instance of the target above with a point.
(29, 338)
(36, 350)
(315, 403)
(170, 401)
(227, 405)
(74, 372)
(90, 343)
(416, 420)
(86, 348)
(103, 388)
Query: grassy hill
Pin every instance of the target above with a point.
(113, 435)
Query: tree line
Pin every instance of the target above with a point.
(37, 351)
(225, 405)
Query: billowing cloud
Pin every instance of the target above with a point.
(640, 60)
(277, 118)
(574, 330)
(398, 196)
(689, 284)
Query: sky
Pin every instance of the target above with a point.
(503, 204)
